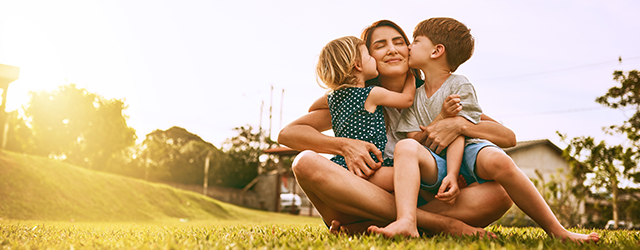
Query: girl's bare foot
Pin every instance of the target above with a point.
(402, 227)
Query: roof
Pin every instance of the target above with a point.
(282, 150)
(528, 144)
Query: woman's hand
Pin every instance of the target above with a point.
(440, 133)
(359, 161)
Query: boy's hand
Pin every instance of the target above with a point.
(451, 106)
(449, 190)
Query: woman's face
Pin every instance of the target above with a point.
(390, 51)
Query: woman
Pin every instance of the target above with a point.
(343, 198)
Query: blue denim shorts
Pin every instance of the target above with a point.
(468, 168)
(442, 172)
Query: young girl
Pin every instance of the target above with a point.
(356, 111)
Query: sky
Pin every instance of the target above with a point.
(210, 66)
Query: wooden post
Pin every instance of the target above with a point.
(206, 174)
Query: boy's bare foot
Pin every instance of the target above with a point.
(581, 238)
(402, 227)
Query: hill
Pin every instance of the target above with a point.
(37, 188)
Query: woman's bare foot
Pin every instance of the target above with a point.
(580, 238)
(402, 227)
(353, 228)
(459, 228)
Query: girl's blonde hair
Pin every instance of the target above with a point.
(336, 63)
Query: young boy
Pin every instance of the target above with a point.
(441, 45)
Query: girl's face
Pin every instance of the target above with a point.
(390, 51)
(368, 64)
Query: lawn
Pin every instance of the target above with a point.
(292, 234)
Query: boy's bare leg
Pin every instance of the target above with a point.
(411, 161)
(494, 164)
(340, 195)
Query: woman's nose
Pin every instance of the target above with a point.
(392, 50)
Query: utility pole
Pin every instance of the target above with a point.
(270, 110)
(281, 105)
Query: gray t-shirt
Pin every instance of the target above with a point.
(425, 109)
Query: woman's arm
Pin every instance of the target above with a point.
(304, 134)
(442, 132)
(321, 103)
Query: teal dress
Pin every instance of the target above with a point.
(350, 119)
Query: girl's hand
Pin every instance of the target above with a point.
(359, 162)
(451, 106)
(449, 190)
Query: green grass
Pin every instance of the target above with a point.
(45, 204)
(245, 235)
(36, 188)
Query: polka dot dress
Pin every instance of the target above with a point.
(350, 119)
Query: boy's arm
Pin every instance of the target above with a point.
(449, 189)
(392, 99)
(321, 103)
(304, 134)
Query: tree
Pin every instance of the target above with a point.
(623, 96)
(176, 155)
(79, 127)
(607, 165)
(244, 152)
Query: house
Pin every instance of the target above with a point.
(542, 158)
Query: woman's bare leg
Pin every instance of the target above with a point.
(340, 195)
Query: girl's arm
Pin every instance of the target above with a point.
(392, 99)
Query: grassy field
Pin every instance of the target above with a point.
(45, 204)
(248, 235)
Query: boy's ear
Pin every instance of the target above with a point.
(438, 51)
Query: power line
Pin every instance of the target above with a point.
(551, 112)
(618, 61)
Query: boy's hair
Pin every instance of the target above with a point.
(454, 35)
(336, 63)
(366, 37)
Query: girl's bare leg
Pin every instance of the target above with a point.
(494, 164)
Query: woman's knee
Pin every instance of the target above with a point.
(304, 163)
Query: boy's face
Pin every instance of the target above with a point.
(420, 52)
(390, 51)
(368, 64)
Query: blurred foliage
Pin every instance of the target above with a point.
(606, 165)
(175, 155)
(76, 126)
(244, 152)
(82, 128)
